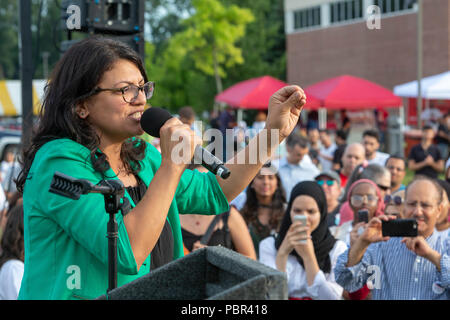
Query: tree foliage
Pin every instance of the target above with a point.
(181, 36)
(186, 75)
(210, 37)
(46, 36)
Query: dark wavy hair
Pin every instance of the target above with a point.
(250, 209)
(72, 81)
(12, 246)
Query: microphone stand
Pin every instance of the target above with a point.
(113, 192)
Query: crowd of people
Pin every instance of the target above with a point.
(313, 209)
(331, 181)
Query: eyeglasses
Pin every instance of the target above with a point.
(328, 182)
(358, 200)
(397, 199)
(130, 92)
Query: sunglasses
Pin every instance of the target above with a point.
(384, 188)
(396, 199)
(328, 182)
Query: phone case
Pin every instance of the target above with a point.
(363, 216)
(399, 228)
(301, 218)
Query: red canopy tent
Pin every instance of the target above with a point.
(255, 94)
(349, 92)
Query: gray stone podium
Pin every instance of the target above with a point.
(214, 273)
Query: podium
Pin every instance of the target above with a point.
(213, 273)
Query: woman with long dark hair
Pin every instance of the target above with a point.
(306, 253)
(88, 129)
(264, 206)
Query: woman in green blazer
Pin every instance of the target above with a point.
(87, 128)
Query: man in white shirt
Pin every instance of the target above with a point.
(297, 165)
(326, 153)
(371, 141)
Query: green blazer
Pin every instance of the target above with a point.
(66, 254)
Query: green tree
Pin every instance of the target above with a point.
(264, 43)
(9, 35)
(210, 37)
(46, 36)
(164, 20)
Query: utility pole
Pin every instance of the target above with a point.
(419, 61)
(26, 68)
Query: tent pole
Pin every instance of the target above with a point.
(322, 118)
(402, 129)
(240, 115)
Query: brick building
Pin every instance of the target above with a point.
(328, 38)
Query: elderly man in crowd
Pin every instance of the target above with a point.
(354, 155)
(395, 268)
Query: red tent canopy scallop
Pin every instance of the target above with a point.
(349, 92)
(255, 94)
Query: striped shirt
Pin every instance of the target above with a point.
(394, 272)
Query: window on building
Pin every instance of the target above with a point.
(346, 10)
(306, 18)
(388, 6)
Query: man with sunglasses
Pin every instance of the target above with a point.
(331, 185)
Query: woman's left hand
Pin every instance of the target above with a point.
(285, 107)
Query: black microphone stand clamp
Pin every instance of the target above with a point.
(113, 192)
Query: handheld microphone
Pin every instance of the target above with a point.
(154, 118)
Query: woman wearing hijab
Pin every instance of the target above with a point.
(363, 194)
(308, 264)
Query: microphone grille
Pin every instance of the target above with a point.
(153, 119)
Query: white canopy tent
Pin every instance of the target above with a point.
(434, 87)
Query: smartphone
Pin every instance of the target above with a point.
(363, 215)
(302, 219)
(399, 228)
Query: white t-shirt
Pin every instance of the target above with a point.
(380, 159)
(11, 275)
(324, 286)
(327, 165)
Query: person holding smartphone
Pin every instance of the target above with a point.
(363, 195)
(306, 252)
(89, 128)
(396, 268)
